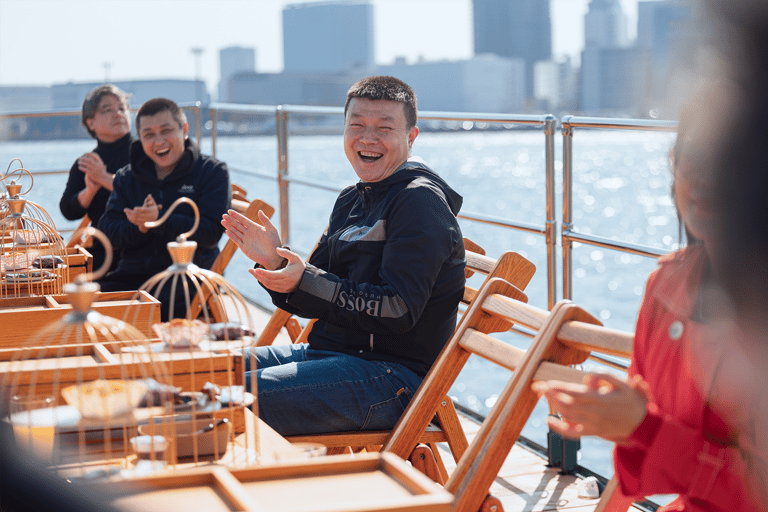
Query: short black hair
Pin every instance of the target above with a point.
(93, 98)
(386, 88)
(155, 106)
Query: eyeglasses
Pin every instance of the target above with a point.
(110, 110)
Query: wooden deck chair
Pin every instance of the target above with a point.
(75, 238)
(565, 337)
(225, 256)
(447, 428)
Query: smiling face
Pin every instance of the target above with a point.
(162, 139)
(111, 121)
(376, 139)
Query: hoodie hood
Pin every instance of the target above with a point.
(144, 168)
(413, 169)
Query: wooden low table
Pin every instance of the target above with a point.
(375, 482)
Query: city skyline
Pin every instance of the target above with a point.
(122, 39)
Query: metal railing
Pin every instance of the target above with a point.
(547, 123)
(568, 236)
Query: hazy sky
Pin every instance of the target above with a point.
(54, 41)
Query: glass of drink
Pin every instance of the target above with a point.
(34, 423)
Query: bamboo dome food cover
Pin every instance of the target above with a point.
(91, 387)
(33, 258)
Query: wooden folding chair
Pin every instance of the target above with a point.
(75, 238)
(566, 336)
(447, 427)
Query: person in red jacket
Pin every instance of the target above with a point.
(669, 437)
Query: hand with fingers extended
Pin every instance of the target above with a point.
(95, 169)
(603, 406)
(258, 242)
(147, 212)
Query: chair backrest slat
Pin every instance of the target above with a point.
(492, 349)
(597, 338)
(515, 311)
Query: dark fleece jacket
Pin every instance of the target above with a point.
(386, 278)
(203, 179)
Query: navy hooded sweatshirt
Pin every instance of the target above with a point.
(203, 179)
(387, 276)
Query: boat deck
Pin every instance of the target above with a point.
(524, 484)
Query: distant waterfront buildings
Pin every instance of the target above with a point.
(512, 70)
(71, 95)
(515, 29)
(232, 60)
(328, 36)
(484, 83)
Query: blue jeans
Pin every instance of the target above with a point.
(305, 391)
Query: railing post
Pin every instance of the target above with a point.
(198, 124)
(281, 119)
(212, 113)
(565, 242)
(550, 125)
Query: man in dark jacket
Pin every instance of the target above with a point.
(384, 282)
(165, 165)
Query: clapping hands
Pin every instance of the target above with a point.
(95, 170)
(262, 244)
(148, 212)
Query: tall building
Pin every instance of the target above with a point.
(515, 29)
(605, 25)
(233, 59)
(669, 31)
(555, 85)
(613, 76)
(328, 36)
(613, 81)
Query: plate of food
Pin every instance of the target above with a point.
(34, 276)
(17, 261)
(182, 333)
(49, 261)
(30, 237)
(105, 398)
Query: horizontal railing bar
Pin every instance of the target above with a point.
(311, 183)
(624, 124)
(607, 243)
(480, 117)
(608, 361)
(253, 174)
(236, 107)
(423, 115)
(496, 221)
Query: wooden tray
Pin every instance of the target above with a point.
(186, 370)
(21, 317)
(377, 482)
